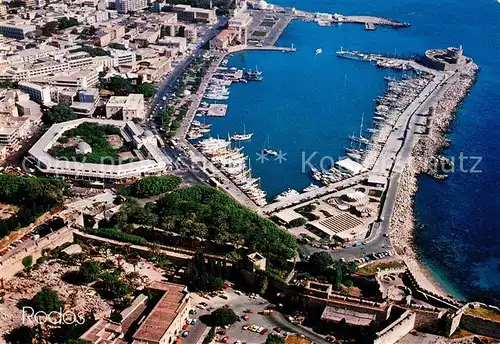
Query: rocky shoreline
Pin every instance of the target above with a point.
(402, 223)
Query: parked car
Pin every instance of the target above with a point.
(225, 339)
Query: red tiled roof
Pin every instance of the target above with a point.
(163, 314)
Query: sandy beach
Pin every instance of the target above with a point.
(402, 224)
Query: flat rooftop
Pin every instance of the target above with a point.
(351, 317)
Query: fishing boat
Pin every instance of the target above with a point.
(311, 187)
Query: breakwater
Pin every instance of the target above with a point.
(402, 223)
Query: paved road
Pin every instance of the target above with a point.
(167, 85)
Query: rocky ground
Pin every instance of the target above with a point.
(402, 222)
(76, 298)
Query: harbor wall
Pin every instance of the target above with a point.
(12, 262)
(402, 218)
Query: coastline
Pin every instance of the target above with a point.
(402, 222)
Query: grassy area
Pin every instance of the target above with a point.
(372, 268)
(259, 33)
(484, 313)
(376, 193)
(95, 135)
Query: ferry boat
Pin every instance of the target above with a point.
(311, 187)
(286, 194)
(352, 55)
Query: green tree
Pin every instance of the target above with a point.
(78, 341)
(27, 261)
(120, 86)
(20, 335)
(47, 301)
(263, 285)
(148, 90)
(50, 28)
(210, 336)
(275, 339)
(220, 317)
(319, 262)
(60, 113)
(89, 271)
(114, 45)
(153, 186)
(64, 23)
(297, 222)
(112, 286)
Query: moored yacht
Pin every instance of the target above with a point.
(286, 194)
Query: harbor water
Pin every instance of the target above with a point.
(308, 104)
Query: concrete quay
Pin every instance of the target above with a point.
(374, 20)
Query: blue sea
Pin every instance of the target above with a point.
(308, 104)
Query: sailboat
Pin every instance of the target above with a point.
(267, 150)
(242, 137)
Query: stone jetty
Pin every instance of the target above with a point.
(402, 224)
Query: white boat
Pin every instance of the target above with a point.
(211, 96)
(286, 194)
(194, 135)
(242, 137)
(319, 51)
(311, 187)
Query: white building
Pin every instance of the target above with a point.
(125, 6)
(349, 166)
(152, 160)
(36, 92)
(131, 106)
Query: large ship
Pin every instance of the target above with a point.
(352, 55)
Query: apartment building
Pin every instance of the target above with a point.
(126, 6)
(195, 14)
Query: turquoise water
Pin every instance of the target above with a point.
(310, 103)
